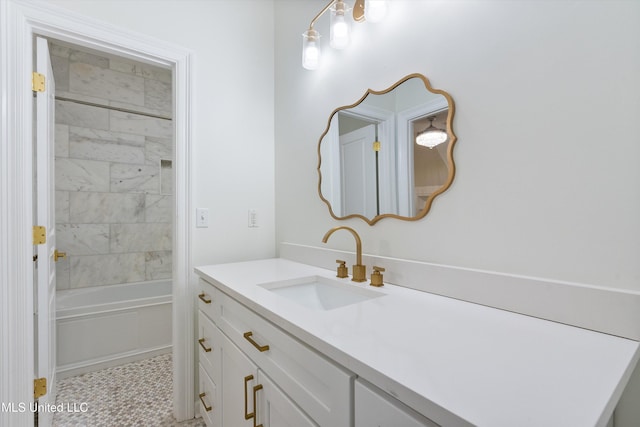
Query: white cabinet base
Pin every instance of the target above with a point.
(374, 409)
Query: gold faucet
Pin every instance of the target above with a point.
(359, 270)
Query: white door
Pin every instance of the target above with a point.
(45, 286)
(358, 167)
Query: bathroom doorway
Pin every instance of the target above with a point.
(114, 206)
(49, 22)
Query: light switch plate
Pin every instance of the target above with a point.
(202, 217)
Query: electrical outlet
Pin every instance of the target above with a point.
(202, 217)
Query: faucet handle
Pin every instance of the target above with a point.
(342, 269)
(376, 276)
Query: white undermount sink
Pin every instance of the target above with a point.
(320, 293)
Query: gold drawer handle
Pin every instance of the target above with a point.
(248, 335)
(247, 415)
(204, 347)
(206, 408)
(204, 298)
(255, 403)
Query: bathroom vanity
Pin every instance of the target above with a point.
(288, 344)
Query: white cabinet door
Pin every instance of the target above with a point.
(239, 377)
(247, 393)
(375, 409)
(275, 409)
(209, 406)
(210, 355)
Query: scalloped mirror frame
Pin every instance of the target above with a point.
(450, 162)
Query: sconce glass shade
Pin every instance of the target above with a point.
(340, 26)
(375, 10)
(431, 136)
(310, 49)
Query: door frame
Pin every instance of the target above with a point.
(405, 149)
(19, 23)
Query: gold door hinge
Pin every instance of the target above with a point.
(39, 387)
(37, 82)
(39, 235)
(376, 146)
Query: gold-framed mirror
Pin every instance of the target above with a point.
(370, 164)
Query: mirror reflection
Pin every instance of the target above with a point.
(389, 154)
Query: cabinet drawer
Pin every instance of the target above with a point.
(209, 406)
(207, 300)
(320, 387)
(208, 346)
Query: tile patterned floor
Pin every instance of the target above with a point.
(135, 394)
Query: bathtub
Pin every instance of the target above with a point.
(104, 326)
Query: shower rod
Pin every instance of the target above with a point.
(109, 107)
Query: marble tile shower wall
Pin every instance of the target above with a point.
(114, 192)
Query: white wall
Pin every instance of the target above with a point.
(546, 116)
(232, 117)
(546, 94)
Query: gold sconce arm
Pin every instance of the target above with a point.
(313, 21)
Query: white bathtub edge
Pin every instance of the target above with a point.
(72, 313)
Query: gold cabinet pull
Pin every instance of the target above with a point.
(248, 335)
(204, 298)
(206, 408)
(204, 347)
(255, 404)
(247, 415)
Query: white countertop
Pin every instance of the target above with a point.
(456, 362)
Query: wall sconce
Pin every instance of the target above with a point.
(431, 136)
(375, 10)
(340, 27)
